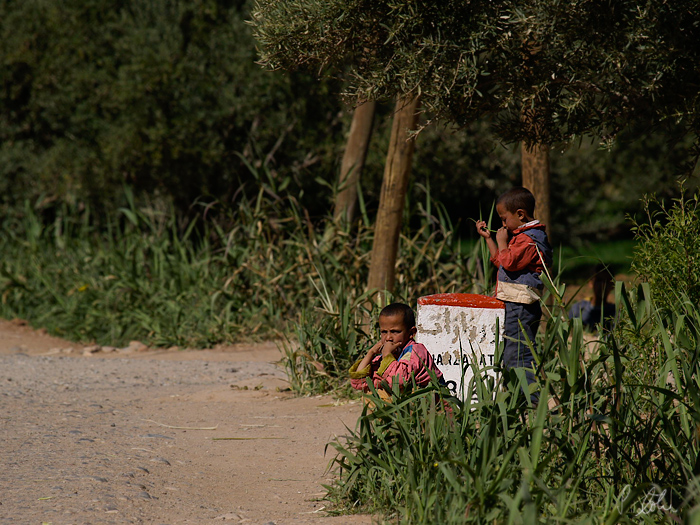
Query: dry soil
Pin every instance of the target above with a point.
(145, 436)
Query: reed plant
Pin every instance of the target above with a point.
(604, 444)
(140, 278)
(259, 267)
(145, 274)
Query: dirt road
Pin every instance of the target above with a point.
(159, 436)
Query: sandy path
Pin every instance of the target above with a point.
(84, 439)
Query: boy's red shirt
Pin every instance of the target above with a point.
(521, 253)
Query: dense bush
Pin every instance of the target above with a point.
(165, 96)
(596, 189)
(160, 95)
(668, 252)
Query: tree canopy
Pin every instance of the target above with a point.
(164, 95)
(584, 66)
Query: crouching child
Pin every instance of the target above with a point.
(396, 357)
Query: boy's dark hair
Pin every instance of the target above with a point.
(409, 319)
(518, 198)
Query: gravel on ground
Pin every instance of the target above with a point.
(134, 435)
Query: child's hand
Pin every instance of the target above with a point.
(390, 348)
(376, 349)
(372, 353)
(482, 229)
(502, 236)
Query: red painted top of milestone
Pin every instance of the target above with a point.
(468, 300)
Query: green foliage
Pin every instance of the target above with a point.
(241, 273)
(158, 94)
(142, 280)
(325, 342)
(623, 431)
(597, 188)
(667, 255)
(166, 97)
(570, 67)
(332, 331)
(611, 441)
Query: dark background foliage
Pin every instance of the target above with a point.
(166, 97)
(160, 95)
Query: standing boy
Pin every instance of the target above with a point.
(521, 251)
(396, 356)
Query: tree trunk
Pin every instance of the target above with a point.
(391, 200)
(353, 162)
(535, 172)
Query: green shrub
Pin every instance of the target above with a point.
(667, 254)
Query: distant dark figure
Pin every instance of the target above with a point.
(596, 309)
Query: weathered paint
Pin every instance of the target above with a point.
(459, 331)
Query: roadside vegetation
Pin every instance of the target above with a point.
(246, 273)
(620, 446)
(624, 422)
(613, 440)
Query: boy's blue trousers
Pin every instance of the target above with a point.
(516, 352)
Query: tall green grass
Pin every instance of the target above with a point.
(248, 271)
(141, 278)
(615, 441)
(615, 437)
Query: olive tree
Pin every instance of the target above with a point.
(545, 71)
(572, 68)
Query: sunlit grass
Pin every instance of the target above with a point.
(615, 428)
(248, 274)
(140, 279)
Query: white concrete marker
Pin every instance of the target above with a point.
(457, 328)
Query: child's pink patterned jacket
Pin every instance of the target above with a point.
(414, 361)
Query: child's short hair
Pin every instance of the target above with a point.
(409, 319)
(518, 198)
